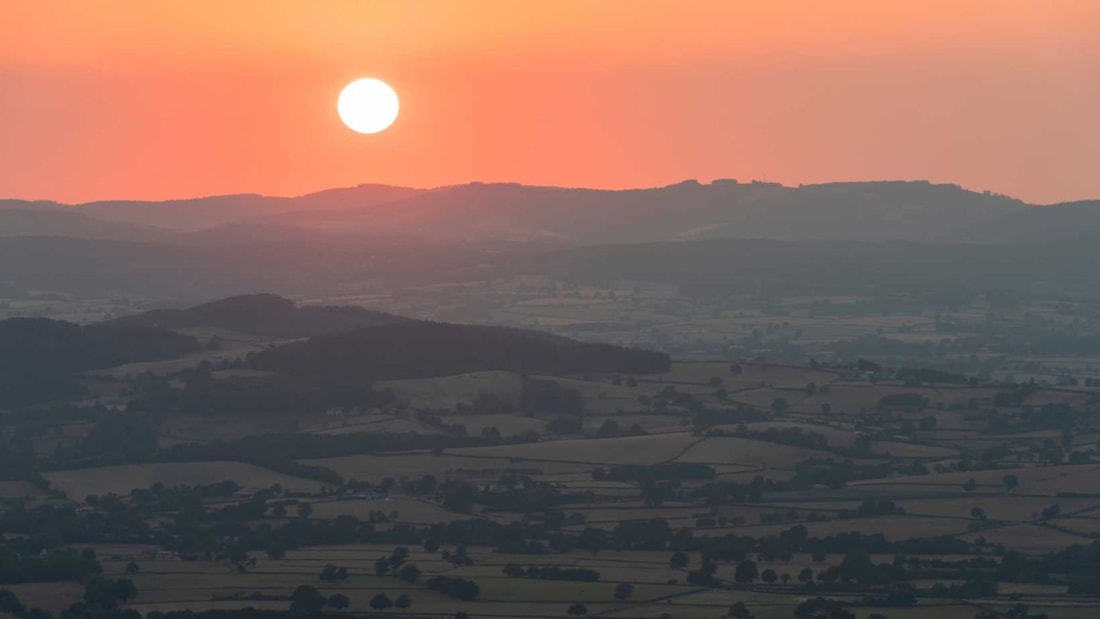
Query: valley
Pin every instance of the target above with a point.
(684, 490)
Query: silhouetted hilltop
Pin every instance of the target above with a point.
(480, 212)
(689, 210)
(416, 349)
(198, 213)
(39, 357)
(262, 314)
(339, 239)
(21, 218)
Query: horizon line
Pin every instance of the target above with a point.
(716, 181)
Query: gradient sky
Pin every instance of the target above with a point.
(179, 98)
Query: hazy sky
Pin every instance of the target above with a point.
(159, 99)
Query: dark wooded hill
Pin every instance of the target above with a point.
(417, 349)
(262, 314)
(39, 358)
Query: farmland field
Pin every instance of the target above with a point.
(640, 495)
(78, 483)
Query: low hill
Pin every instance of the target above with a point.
(308, 265)
(687, 210)
(501, 212)
(416, 349)
(716, 267)
(21, 218)
(99, 268)
(198, 213)
(1063, 221)
(39, 357)
(262, 314)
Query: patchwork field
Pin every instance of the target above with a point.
(700, 462)
(626, 450)
(120, 480)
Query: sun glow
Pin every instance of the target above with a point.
(368, 105)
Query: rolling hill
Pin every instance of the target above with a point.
(207, 212)
(688, 210)
(718, 266)
(417, 349)
(39, 358)
(508, 212)
(262, 314)
(186, 251)
(20, 218)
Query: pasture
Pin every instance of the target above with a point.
(551, 488)
(120, 480)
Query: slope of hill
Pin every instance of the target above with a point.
(869, 211)
(718, 266)
(511, 212)
(214, 211)
(96, 267)
(262, 314)
(19, 218)
(503, 212)
(1062, 221)
(39, 357)
(303, 263)
(415, 349)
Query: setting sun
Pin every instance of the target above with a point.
(645, 308)
(368, 105)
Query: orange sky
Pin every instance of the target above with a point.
(179, 98)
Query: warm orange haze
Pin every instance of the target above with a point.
(133, 99)
(529, 309)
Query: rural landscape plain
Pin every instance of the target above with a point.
(266, 352)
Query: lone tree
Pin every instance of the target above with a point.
(403, 601)
(381, 602)
(106, 594)
(1010, 481)
(623, 591)
(577, 610)
(381, 566)
(398, 556)
(769, 576)
(678, 560)
(307, 599)
(9, 603)
(820, 608)
(409, 573)
(332, 573)
(338, 601)
(275, 550)
(738, 610)
(609, 428)
(746, 572)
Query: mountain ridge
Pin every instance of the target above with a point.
(513, 212)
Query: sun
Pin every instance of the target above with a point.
(368, 105)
